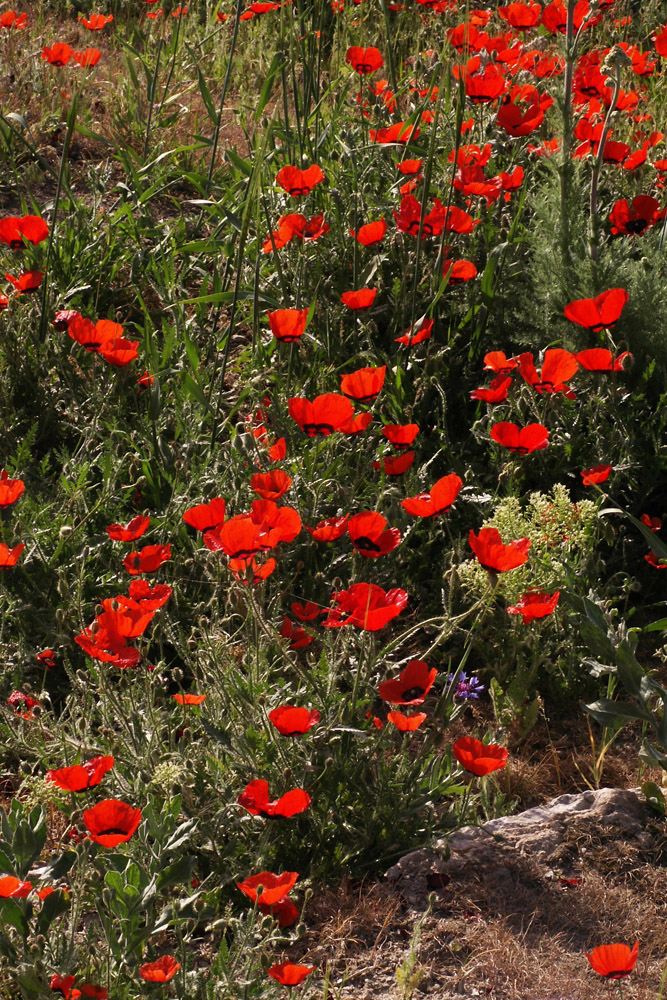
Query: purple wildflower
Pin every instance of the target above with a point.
(466, 687)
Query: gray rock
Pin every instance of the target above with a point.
(535, 834)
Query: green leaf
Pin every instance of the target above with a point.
(657, 546)
(206, 96)
(611, 713)
(654, 797)
(12, 914)
(659, 626)
(53, 906)
(180, 871)
(219, 735)
(58, 867)
(654, 756)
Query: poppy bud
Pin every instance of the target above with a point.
(60, 616)
(177, 674)
(65, 530)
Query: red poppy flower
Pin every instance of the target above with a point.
(356, 424)
(598, 474)
(58, 54)
(135, 529)
(635, 220)
(107, 647)
(409, 168)
(330, 529)
(493, 555)
(401, 436)
(206, 515)
(496, 361)
(46, 657)
(420, 331)
(292, 721)
(364, 61)
(80, 777)
(363, 384)
(295, 226)
(298, 637)
(124, 618)
(119, 352)
(309, 611)
(278, 450)
(10, 19)
(326, 413)
(96, 21)
(299, 182)
(65, 986)
(10, 489)
(601, 313)
(24, 705)
(438, 500)
(366, 606)
(289, 974)
(255, 798)
(288, 325)
(270, 485)
(522, 440)
(654, 523)
(94, 992)
(251, 571)
(239, 538)
(93, 335)
(458, 271)
(111, 822)
(411, 686)
(267, 888)
(149, 598)
(660, 41)
(399, 132)
(189, 699)
(14, 230)
(362, 298)
(395, 465)
(276, 524)
(409, 218)
(10, 557)
(13, 888)
(519, 121)
(481, 88)
(652, 559)
(371, 234)
(160, 971)
(147, 560)
(557, 367)
(535, 604)
(521, 16)
(89, 57)
(477, 757)
(29, 281)
(613, 961)
(497, 391)
(600, 359)
(406, 723)
(370, 535)
(245, 535)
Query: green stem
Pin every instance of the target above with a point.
(71, 121)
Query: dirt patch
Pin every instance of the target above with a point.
(513, 928)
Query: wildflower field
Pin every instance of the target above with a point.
(333, 353)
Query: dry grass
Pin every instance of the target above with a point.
(514, 933)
